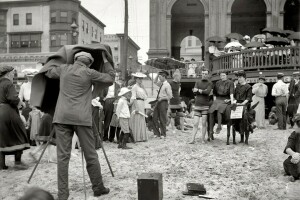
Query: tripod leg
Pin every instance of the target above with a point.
(82, 160)
(102, 147)
(40, 158)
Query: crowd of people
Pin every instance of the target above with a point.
(118, 114)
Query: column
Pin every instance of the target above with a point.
(169, 35)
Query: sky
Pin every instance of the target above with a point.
(111, 13)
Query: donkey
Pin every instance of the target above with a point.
(243, 126)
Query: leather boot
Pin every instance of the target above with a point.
(120, 146)
(125, 140)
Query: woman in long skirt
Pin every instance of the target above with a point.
(260, 91)
(137, 120)
(13, 138)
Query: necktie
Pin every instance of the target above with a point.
(159, 90)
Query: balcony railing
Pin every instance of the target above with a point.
(258, 60)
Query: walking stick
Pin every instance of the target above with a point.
(102, 147)
(82, 160)
(40, 158)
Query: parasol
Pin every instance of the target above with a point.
(165, 63)
(288, 32)
(254, 44)
(274, 31)
(236, 36)
(277, 41)
(215, 39)
(294, 36)
(233, 44)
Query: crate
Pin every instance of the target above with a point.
(150, 186)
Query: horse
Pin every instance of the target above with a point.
(243, 126)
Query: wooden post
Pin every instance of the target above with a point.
(125, 42)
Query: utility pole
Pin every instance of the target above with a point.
(125, 42)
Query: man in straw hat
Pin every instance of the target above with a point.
(13, 139)
(123, 114)
(73, 113)
(160, 110)
(280, 92)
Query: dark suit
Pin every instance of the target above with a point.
(73, 113)
(108, 109)
(294, 100)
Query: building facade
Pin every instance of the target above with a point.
(115, 41)
(191, 48)
(31, 30)
(172, 20)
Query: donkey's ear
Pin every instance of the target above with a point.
(254, 106)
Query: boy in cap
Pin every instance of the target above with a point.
(123, 114)
(160, 111)
(280, 92)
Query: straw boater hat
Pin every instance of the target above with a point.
(280, 75)
(84, 54)
(296, 73)
(5, 69)
(138, 75)
(123, 91)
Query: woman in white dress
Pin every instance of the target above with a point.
(137, 119)
(260, 91)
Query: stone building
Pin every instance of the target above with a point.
(172, 20)
(31, 30)
(115, 41)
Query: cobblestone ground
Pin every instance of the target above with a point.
(228, 172)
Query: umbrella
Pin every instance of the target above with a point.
(233, 44)
(215, 39)
(288, 32)
(277, 41)
(236, 36)
(295, 36)
(165, 63)
(274, 31)
(254, 44)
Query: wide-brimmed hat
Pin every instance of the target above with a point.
(138, 75)
(296, 73)
(85, 54)
(5, 69)
(123, 91)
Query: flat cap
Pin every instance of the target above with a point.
(5, 69)
(163, 72)
(85, 54)
(262, 78)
